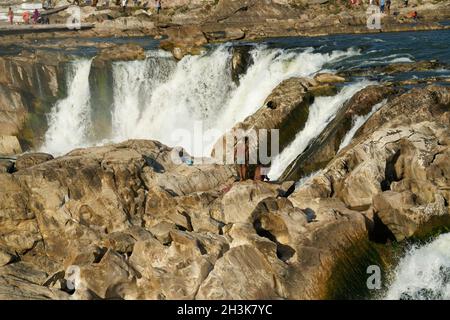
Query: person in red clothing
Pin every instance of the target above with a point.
(26, 17)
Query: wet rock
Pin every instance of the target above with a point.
(125, 52)
(32, 159)
(240, 62)
(6, 166)
(328, 78)
(286, 109)
(30, 83)
(229, 34)
(184, 40)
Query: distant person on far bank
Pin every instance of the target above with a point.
(382, 5)
(10, 16)
(26, 17)
(413, 15)
(158, 6)
(36, 16)
(388, 7)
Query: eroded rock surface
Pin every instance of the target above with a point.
(125, 221)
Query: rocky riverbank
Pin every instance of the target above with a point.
(123, 221)
(189, 25)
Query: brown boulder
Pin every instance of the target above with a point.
(31, 159)
(9, 145)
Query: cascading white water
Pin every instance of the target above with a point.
(201, 92)
(321, 112)
(358, 122)
(167, 101)
(423, 273)
(69, 120)
(134, 85)
(270, 68)
(304, 180)
(194, 92)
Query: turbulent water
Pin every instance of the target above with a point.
(69, 121)
(424, 272)
(189, 103)
(194, 101)
(358, 122)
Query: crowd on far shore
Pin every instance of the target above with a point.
(36, 17)
(27, 17)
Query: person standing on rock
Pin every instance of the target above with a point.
(242, 157)
(36, 16)
(388, 7)
(158, 6)
(10, 16)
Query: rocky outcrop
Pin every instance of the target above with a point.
(241, 60)
(323, 149)
(123, 221)
(125, 52)
(285, 109)
(9, 145)
(184, 40)
(328, 78)
(29, 84)
(31, 159)
(129, 221)
(396, 168)
(393, 68)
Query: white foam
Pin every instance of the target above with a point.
(358, 122)
(424, 272)
(69, 120)
(166, 101)
(321, 112)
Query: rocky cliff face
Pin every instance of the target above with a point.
(124, 221)
(29, 85)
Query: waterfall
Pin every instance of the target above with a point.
(134, 85)
(200, 93)
(270, 68)
(424, 272)
(321, 112)
(195, 92)
(358, 122)
(189, 103)
(69, 120)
